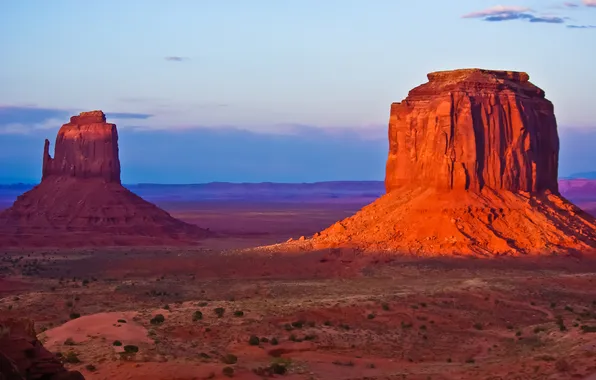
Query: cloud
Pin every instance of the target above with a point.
(508, 13)
(570, 5)
(589, 3)
(175, 58)
(128, 115)
(581, 26)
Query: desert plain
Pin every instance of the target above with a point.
(218, 310)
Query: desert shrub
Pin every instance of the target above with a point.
(274, 342)
(69, 342)
(298, 324)
(478, 326)
(344, 326)
(561, 323)
(85, 282)
(121, 321)
(310, 337)
(264, 340)
(228, 371)
(562, 365)
(539, 329)
(166, 307)
(197, 315)
(588, 329)
(205, 355)
(423, 304)
(71, 357)
(254, 340)
(328, 323)
(74, 315)
(158, 319)
(238, 313)
(288, 327)
(69, 303)
(470, 361)
(553, 305)
(569, 308)
(117, 343)
(219, 311)
(230, 359)
(130, 349)
(293, 338)
(370, 316)
(203, 304)
(385, 306)
(90, 368)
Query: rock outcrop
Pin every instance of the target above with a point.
(470, 129)
(23, 357)
(472, 170)
(86, 147)
(81, 202)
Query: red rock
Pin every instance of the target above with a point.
(470, 129)
(22, 356)
(472, 169)
(86, 147)
(81, 202)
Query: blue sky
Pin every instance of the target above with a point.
(271, 69)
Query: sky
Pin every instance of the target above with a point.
(220, 82)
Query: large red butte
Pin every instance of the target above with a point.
(81, 202)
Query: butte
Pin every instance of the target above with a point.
(472, 170)
(81, 201)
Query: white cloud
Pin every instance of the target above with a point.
(589, 3)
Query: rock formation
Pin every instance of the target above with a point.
(23, 357)
(80, 200)
(472, 169)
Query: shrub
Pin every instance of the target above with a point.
(230, 359)
(254, 340)
(71, 357)
(130, 349)
(203, 304)
(264, 340)
(121, 321)
(470, 361)
(385, 306)
(197, 315)
(298, 324)
(158, 319)
(478, 326)
(90, 368)
(117, 343)
(588, 329)
(370, 316)
(228, 371)
(166, 307)
(239, 313)
(274, 342)
(69, 342)
(219, 311)
(75, 315)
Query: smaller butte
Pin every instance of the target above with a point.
(472, 170)
(81, 201)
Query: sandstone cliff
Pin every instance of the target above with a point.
(470, 129)
(472, 169)
(81, 202)
(86, 147)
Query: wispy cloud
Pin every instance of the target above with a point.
(176, 58)
(581, 26)
(570, 4)
(128, 115)
(508, 13)
(589, 3)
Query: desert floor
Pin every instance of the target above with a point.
(318, 315)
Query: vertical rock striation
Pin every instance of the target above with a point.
(472, 170)
(86, 147)
(470, 129)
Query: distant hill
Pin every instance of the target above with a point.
(585, 175)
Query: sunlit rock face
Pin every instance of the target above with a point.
(472, 128)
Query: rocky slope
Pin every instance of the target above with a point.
(80, 200)
(472, 169)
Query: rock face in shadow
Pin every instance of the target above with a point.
(81, 202)
(472, 170)
(470, 129)
(23, 357)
